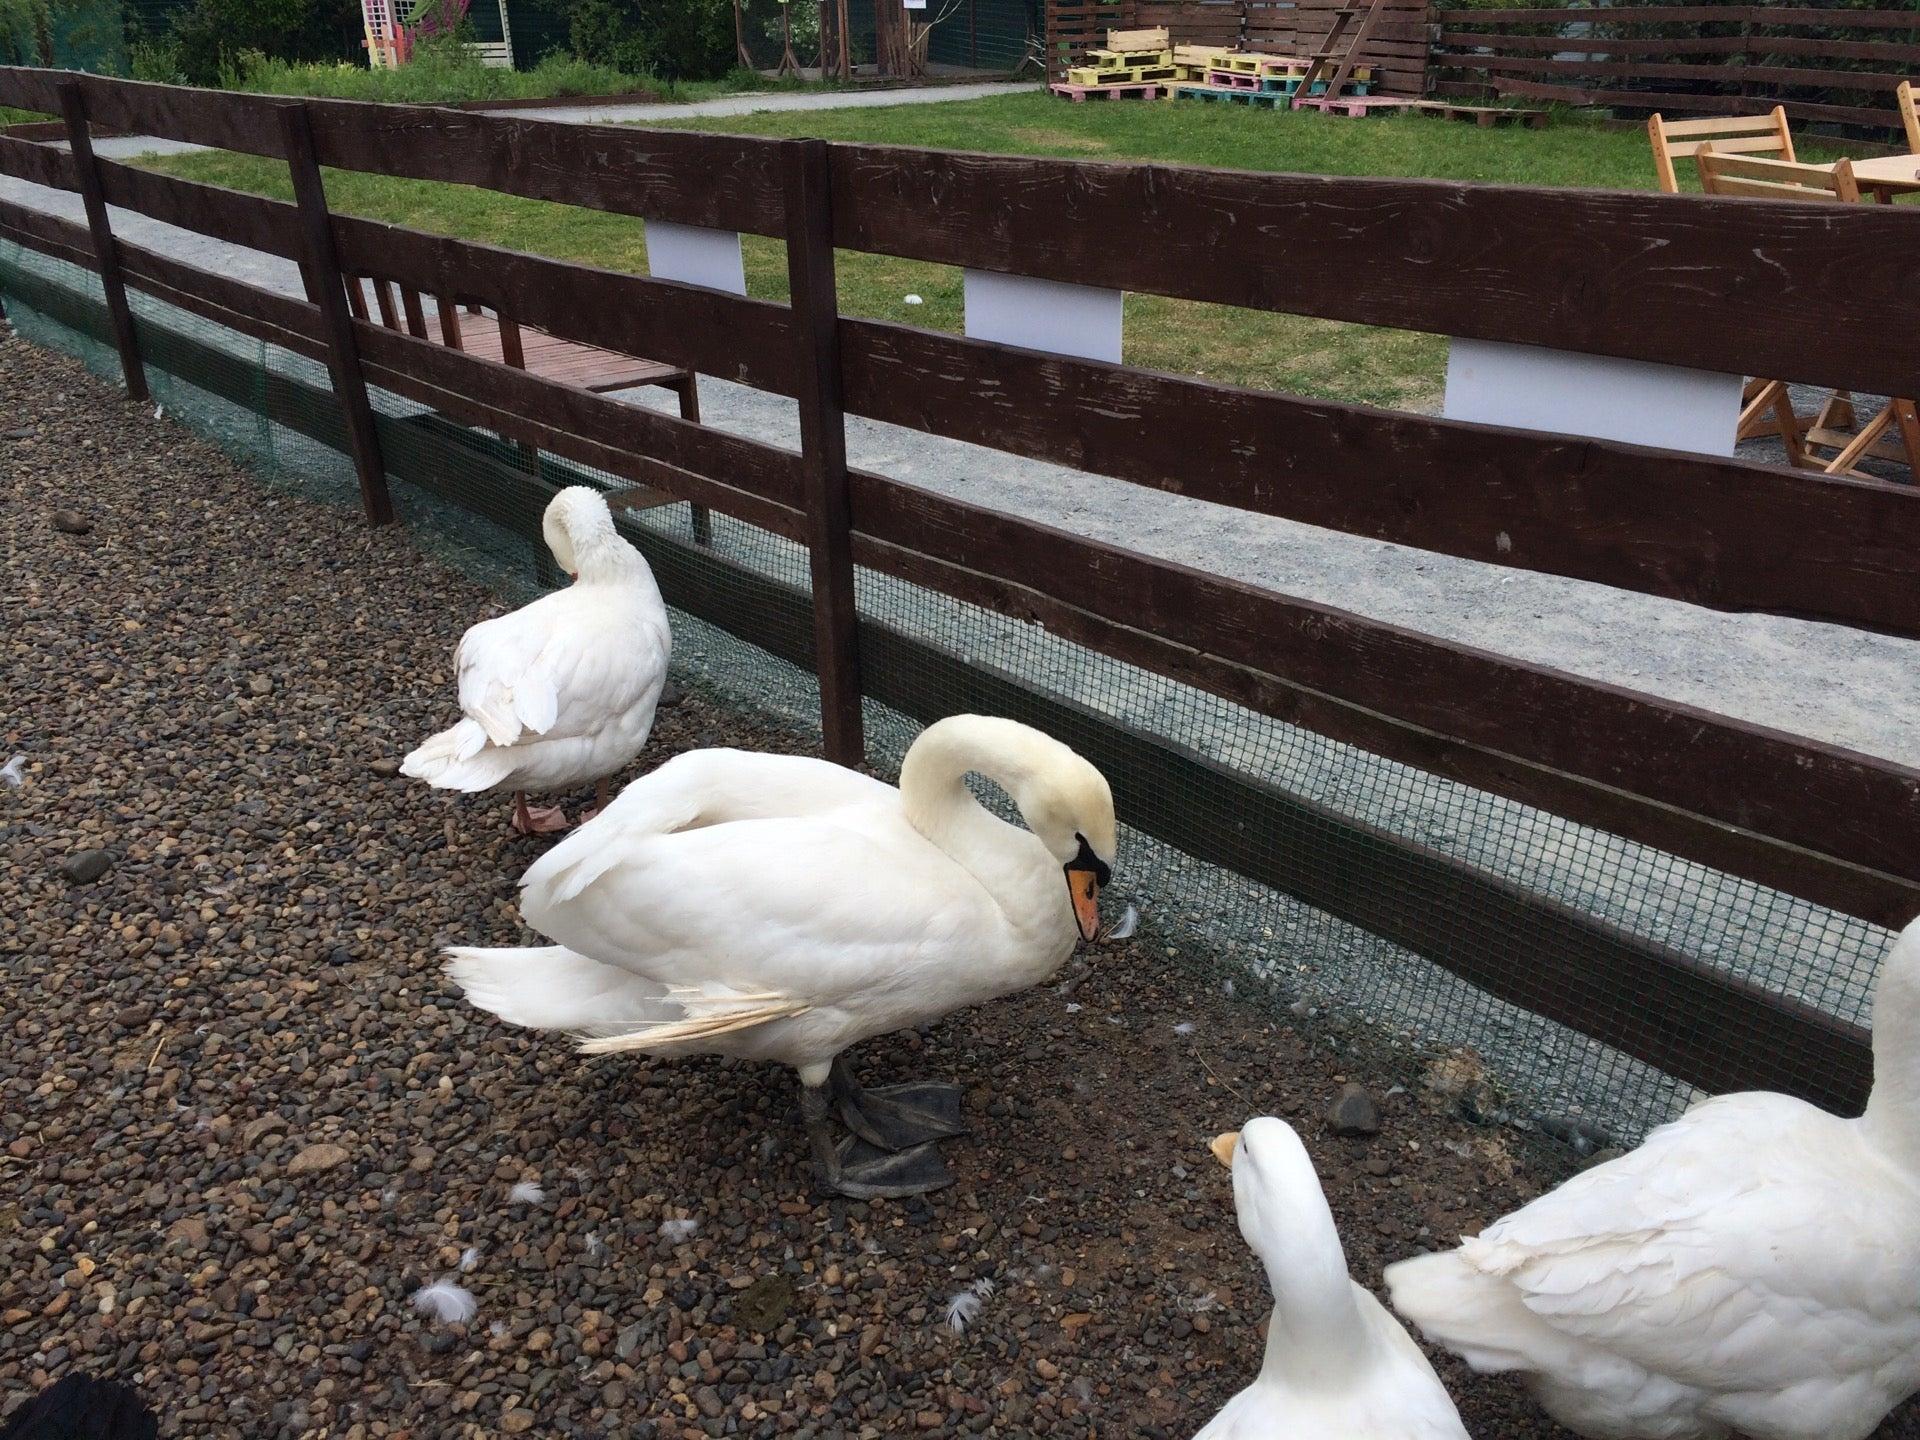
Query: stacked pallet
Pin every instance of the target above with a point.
(1243, 78)
(1136, 65)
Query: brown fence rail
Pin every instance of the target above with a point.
(1650, 277)
(1835, 65)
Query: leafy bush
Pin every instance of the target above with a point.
(23, 32)
(209, 38)
(436, 73)
(678, 39)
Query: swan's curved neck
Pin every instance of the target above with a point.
(599, 554)
(1892, 1120)
(1012, 865)
(1315, 1334)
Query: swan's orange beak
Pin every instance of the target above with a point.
(1084, 887)
(1223, 1147)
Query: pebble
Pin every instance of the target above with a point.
(71, 522)
(316, 1158)
(1353, 1112)
(83, 867)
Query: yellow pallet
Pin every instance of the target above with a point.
(1122, 59)
(1132, 40)
(1198, 57)
(1121, 75)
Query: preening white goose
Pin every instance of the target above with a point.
(1338, 1366)
(773, 907)
(561, 691)
(1752, 1269)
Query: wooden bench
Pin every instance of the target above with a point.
(488, 335)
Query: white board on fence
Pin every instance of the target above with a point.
(1081, 320)
(696, 255)
(1531, 388)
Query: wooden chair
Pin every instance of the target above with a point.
(1760, 414)
(488, 335)
(1757, 177)
(1727, 135)
(1910, 114)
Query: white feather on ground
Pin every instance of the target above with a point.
(961, 1310)
(527, 1192)
(677, 1232)
(13, 773)
(469, 1257)
(1123, 928)
(1185, 1027)
(446, 1302)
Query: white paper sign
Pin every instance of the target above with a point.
(1637, 401)
(696, 255)
(1080, 320)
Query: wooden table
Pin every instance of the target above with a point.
(1886, 176)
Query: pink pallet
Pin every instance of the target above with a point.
(1353, 104)
(1082, 93)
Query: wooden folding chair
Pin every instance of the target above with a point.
(504, 341)
(1757, 177)
(1727, 135)
(1761, 413)
(1910, 114)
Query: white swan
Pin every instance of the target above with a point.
(1338, 1366)
(1753, 1268)
(561, 691)
(779, 908)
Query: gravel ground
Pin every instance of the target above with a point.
(245, 1118)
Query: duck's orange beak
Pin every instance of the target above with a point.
(1084, 887)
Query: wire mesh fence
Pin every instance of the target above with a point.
(1335, 834)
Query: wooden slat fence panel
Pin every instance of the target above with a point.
(1751, 71)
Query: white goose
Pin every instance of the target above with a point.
(1338, 1366)
(1753, 1268)
(561, 691)
(773, 907)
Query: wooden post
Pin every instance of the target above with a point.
(320, 265)
(73, 105)
(823, 446)
(846, 40)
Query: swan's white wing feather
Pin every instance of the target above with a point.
(565, 665)
(856, 902)
(1748, 1245)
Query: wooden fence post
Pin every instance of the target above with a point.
(320, 269)
(73, 106)
(823, 446)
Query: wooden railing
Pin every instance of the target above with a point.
(1644, 276)
(1839, 65)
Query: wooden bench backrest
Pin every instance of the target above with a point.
(1910, 114)
(1734, 134)
(410, 315)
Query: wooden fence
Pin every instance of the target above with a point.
(1397, 47)
(1645, 276)
(1836, 65)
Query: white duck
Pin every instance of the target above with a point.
(561, 691)
(774, 907)
(1338, 1366)
(1753, 1268)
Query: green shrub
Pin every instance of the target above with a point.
(678, 39)
(212, 35)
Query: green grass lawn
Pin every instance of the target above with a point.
(1401, 369)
